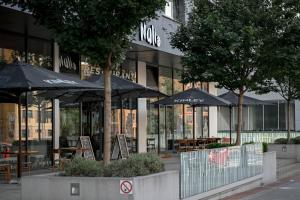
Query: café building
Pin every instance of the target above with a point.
(150, 61)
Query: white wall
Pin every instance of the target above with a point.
(213, 113)
(142, 110)
(297, 115)
(56, 131)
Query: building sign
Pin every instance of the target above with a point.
(149, 34)
(89, 70)
(68, 62)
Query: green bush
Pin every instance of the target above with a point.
(265, 147)
(136, 165)
(281, 141)
(248, 143)
(83, 167)
(218, 145)
(295, 140)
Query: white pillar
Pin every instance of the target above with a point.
(142, 110)
(56, 131)
(213, 113)
(297, 115)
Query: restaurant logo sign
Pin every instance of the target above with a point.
(89, 70)
(149, 34)
(67, 62)
(60, 81)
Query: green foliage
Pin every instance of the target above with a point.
(83, 167)
(92, 28)
(218, 145)
(245, 143)
(281, 141)
(265, 147)
(295, 140)
(136, 165)
(221, 43)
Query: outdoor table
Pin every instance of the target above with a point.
(26, 153)
(77, 151)
(73, 149)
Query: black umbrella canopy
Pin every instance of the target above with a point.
(247, 101)
(194, 97)
(125, 88)
(21, 77)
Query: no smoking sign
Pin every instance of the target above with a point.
(126, 187)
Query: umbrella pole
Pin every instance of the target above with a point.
(19, 172)
(166, 138)
(158, 129)
(230, 113)
(26, 125)
(194, 134)
(39, 120)
(80, 119)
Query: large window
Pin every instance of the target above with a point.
(256, 118)
(40, 53)
(38, 136)
(174, 9)
(166, 113)
(178, 109)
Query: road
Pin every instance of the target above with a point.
(285, 189)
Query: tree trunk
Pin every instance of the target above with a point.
(107, 110)
(240, 116)
(288, 121)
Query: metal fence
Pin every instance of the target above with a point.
(259, 136)
(205, 170)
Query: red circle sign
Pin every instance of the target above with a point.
(126, 187)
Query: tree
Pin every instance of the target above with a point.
(281, 53)
(221, 43)
(100, 30)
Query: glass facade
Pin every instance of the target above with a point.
(36, 131)
(166, 124)
(259, 118)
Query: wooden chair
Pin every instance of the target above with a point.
(182, 145)
(201, 143)
(5, 170)
(192, 145)
(56, 160)
(151, 144)
(226, 140)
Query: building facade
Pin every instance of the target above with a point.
(151, 61)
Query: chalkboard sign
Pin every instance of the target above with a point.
(120, 149)
(87, 147)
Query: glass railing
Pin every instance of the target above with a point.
(205, 170)
(258, 136)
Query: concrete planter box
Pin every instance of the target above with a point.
(269, 167)
(164, 185)
(286, 151)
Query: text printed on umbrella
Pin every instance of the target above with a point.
(59, 81)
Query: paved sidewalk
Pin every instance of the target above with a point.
(285, 189)
(10, 192)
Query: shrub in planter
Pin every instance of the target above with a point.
(136, 165)
(83, 167)
(281, 141)
(248, 143)
(265, 147)
(218, 145)
(295, 140)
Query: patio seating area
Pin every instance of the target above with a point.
(185, 145)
